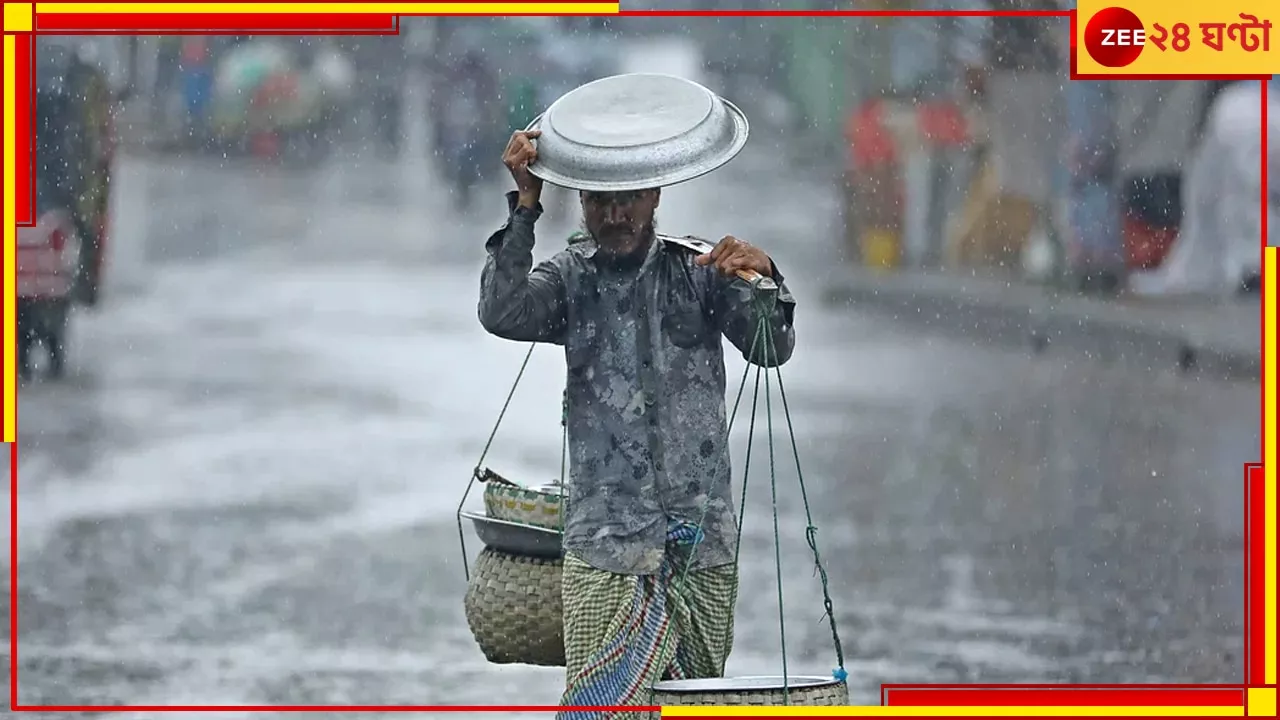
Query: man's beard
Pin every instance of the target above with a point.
(630, 258)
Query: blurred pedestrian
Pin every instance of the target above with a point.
(641, 321)
(165, 82)
(381, 65)
(1095, 258)
(467, 116)
(197, 87)
(1014, 69)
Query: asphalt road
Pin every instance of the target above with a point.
(244, 491)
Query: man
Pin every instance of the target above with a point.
(640, 320)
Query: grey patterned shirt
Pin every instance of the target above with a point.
(645, 387)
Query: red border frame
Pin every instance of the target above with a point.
(918, 695)
(169, 23)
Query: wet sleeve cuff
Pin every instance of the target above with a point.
(785, 299)
(517, 213)
(520, 219)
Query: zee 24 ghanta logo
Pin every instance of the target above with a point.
(1114, 37)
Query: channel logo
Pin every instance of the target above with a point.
(1114, 37)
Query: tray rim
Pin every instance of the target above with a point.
(548, 534)
(705, 165)
(706, 685)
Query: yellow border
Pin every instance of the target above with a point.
(10, 239)
(18, 18)
(1262, 702)
(1269, 462)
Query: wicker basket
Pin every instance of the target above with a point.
(514, 610)
(528, 506)
(804, 692)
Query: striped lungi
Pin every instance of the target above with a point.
(623, 633)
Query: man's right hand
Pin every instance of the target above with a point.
(520, 153)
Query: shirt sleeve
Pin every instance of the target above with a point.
(517, 300)
(735, 309)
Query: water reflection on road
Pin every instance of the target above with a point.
(244, 492)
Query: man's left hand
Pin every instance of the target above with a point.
(732, 255)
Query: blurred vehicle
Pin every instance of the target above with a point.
(48, 269)
(76, 99)
(275, 97)
(59, 260)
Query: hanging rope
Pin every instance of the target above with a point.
(564, 459)
(811, 530)
(777, 536)
(763, 305)
(475, 473)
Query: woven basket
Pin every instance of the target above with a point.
(514, 610)
(827, 694)
(527, 506)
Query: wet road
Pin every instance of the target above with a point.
(244, 492)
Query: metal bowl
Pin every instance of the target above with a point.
(516, 538)
(744, 684)
(634, 132)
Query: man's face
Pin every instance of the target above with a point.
(621, 222)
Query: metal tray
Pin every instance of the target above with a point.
(634, 132)
(516, 538)
(744, 684)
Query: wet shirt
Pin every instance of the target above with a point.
(645, 385)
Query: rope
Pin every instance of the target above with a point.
(811, 533)
(811, 530)
(564, 456)
(746, 462)
(762, 305)
(475, 473)
(773, 489)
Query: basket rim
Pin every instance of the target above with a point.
(745, 683)
(532, 493)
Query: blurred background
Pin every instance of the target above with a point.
(1025, 385)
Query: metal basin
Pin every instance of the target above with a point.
(634, 132)
(516, 538)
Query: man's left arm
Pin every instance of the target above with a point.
(737, 306)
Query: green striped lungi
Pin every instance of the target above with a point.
(621, 636)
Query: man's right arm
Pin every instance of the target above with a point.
(518, 301)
